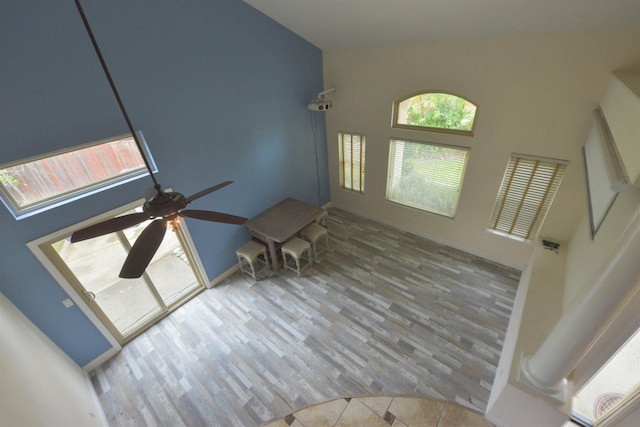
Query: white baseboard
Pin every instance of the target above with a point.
(217, 280)
(101, 359)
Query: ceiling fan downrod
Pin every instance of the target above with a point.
(116, 94)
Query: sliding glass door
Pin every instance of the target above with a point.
(128, 306)
(615, 385)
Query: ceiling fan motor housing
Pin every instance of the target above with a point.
(165, 204)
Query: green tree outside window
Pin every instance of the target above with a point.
(438, 111)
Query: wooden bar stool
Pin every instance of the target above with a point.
(252, 257)
(297, 255)
(318, 238)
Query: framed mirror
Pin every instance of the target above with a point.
(605, 173)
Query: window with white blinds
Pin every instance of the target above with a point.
(528, 188)
(426, 176)
(351, 149)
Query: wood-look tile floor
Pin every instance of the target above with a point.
(383, 313)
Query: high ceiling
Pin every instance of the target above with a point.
(345, 24)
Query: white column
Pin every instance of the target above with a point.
(578, 328)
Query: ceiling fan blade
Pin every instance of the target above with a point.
(109, 226)
(143, 250)
(207, 191)
(213, 216)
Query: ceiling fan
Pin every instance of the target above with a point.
(163, 208)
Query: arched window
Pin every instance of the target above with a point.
(435, 111)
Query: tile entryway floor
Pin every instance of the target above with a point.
(383, 412)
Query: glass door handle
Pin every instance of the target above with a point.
(90, 295)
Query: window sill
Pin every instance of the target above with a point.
(509, 236)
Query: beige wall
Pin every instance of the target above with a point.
(39, 384)
(588, 257)
(535, 96)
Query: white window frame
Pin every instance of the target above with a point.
(394, 177)
(20, 212)
(354, 160)
(401, 107)
(529, 185)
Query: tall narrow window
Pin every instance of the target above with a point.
(36, 184)
(442, 112)
(351, 149)
(528, 188)
(426, 176)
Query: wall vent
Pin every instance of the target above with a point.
(550, 245)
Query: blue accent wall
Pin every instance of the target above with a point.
(220, 92)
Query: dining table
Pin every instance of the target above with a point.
(281, 222)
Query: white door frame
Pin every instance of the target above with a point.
(35, 247)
